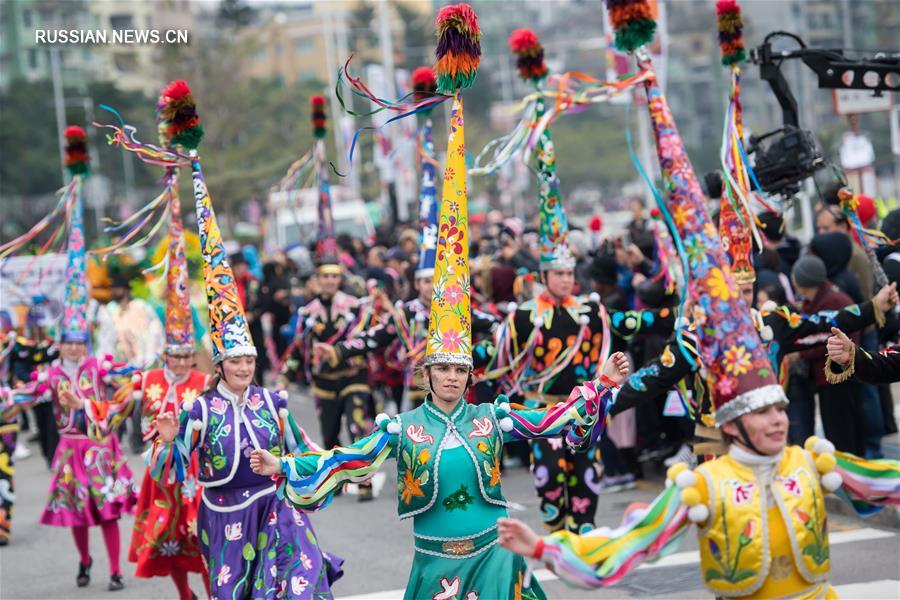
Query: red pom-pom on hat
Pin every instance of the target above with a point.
(727, 7)
(521, 40)
(424, 76)
(74, 131)
(866, 208)
(176, 90)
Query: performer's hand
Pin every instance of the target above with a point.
(616, 368)
(264, 463)
(839, 346)
(167, 427)
(517, 537)
(886, 298)
(70, 401)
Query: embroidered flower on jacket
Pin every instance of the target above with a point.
(254, 402)
(743, 492)
(218, 406)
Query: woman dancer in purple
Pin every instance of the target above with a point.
(254, 545)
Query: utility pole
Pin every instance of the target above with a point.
(332, 82)
(387, 59)
(347, 122)
(59, 105)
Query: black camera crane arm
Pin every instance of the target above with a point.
(877, 74)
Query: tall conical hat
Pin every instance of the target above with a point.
(74, 327)
(730, 346)
(734, 217)
(228, 328)
(554, 227)
(450, 325)
(179, 323)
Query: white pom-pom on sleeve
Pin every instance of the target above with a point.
(594, 297)
(539, 322)
(282, 394)
(766, 333)
(512, 307)
(685, 479)
(698, 513)
(197, 425)
(768, 306)
(138, 394)
(188, 404)
(506, 424)
(682, 322)
(381, 418)
(823, 446)
(504, 406)
(43, 376)
(106, 379)
(136, 378)
(106, 365)
(584, 319)
(832, 480)
(283, 413)
(393, 428)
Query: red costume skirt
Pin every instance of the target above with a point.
(165, 525)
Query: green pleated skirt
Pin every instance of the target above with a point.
(476, 568)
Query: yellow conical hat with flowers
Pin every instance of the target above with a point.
(450, 325)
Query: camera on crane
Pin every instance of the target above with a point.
(784, 159)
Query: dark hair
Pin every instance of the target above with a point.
(213, 382)
(775, 291)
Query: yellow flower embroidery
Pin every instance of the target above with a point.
(189, 395)
(718, 287)
(411, 488)
(737, 360)
(495, 473)
(154, 392)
